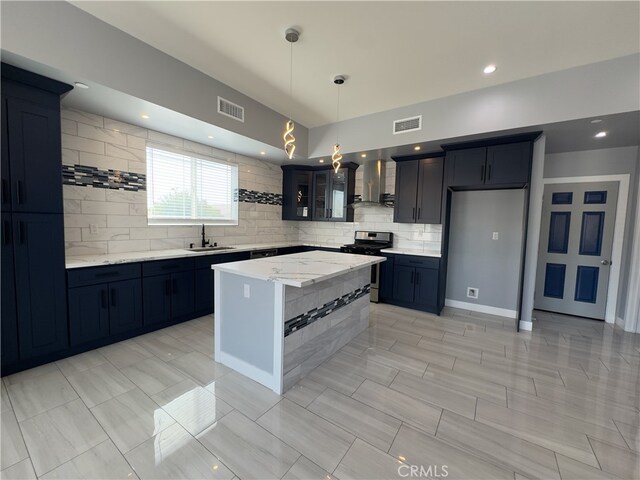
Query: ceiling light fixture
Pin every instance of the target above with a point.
(81, 85)
(336, 156)
(321, 160)
(489, 69)
(291, 36)
(596, 120)
(209, 136)
(363, 155)
(263, 153)
(600, 134)
(145, 116)
(417, 147)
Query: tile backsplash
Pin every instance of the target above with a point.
(105, 198)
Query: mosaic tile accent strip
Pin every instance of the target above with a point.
(85, 176)
(388, 199)
(305, 319)
(253, 196)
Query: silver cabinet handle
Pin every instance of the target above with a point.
(605, 262)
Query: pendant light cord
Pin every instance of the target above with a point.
(338, 117)
(290, 79)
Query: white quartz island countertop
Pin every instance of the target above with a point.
(299, 269)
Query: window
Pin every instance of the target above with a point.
(183, 189)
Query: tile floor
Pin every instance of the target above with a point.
(462, 390)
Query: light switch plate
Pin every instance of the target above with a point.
(247, 291)
(494, 236)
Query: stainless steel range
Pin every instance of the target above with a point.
(370, 243)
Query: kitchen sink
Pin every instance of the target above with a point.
(207, 249)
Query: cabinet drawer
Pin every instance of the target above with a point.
(93, 275)
(417, 261)
(207, 261)
(167, 266)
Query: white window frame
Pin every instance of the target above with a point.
(233, 220)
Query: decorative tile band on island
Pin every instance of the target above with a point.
(311, 316)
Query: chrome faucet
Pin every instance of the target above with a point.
(204, 242)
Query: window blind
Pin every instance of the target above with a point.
(183, 189)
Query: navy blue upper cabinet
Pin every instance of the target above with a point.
(321, 195)
(418, 197)
(297, 193)
(509, 163)
(40, 283)
(466, 167)
(5, 190)
(494, 166)
(9, 315)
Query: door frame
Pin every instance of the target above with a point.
(618, 232)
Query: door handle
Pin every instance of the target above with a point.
(5, 191)
(419, 209)
(113, 297)
(482, 173)
(488, 172)
(605, 262)
(413, 213)
(412, 274)
(103, 296)
(19, 192)
(175, 286)
(6, 232)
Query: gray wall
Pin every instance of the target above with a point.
(475, 260)
(61, 36)
(597, 89)
(610, 161)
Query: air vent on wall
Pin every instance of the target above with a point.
(407, 125)
(230, 109)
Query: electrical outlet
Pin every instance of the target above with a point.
(247, 291)
(93, 228)
(494, 236)
(472, 292)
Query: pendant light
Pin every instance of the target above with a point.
(336, 156)
(291, 35)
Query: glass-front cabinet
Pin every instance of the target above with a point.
(318, 193)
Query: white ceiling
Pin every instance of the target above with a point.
(394, 53)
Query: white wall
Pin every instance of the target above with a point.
(121, 216)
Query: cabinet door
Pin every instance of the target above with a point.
(156, 298)
(125, 306)
(466, 167)
(297, 188)
(386, 278)
(204, 291)
(88, 313)
(40, 283)
(430, 190)
(338, 201)
(5, 190)
(8, 310)
(34, 157)
(182, 296)
(426, 287)
(508, 164)
(321, 195)
(404, 210)
(403, 281)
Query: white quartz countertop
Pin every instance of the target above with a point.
(411, 251)
(78, 261)
(299, 269)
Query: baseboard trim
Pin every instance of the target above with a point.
(475, 307)
(527, 326)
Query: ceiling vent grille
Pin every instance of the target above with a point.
(230, 109)
(405, 125)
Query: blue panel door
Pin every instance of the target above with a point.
(576, 243)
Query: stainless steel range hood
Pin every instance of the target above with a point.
(373, 182)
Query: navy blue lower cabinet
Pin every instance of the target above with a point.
(9, 314)
(125, 306)
(386, 279)
(426, 287)
(41, 296)
(88, 313)
(182, 295)
(156, 294)
(204, 291)
(403, 284)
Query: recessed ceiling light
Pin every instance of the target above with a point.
(489, 69)
(600, 134)
(364, 155)
(209, 136)
(417, 147)
(263, 153)
(321, 160)
(144, 115)
(596, 120)
(81, 85)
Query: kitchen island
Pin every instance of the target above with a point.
(278, 318)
